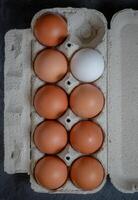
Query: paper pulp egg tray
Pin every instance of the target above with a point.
(119, 83)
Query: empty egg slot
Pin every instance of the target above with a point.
(90, 29)
(87, 33)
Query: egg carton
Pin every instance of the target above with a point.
(119, 83)
(89, 19)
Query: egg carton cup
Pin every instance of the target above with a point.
(119, 83)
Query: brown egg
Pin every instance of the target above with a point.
(50, 29)
(50, 101)
(51, 172)
(87, 173)
(86, 137)
(50, 65)
(86, 101)
(50, 137)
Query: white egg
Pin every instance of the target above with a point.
(87, 65)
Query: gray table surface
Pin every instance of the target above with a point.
(18, 14)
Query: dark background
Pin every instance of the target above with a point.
(18, 14)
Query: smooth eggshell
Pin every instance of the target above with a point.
(86, 137)
(50, 29)
(51, 172)
(50, 101)
(87, 65)
(50, 137)
(86, 101)
(50, 65)
(87, 173)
